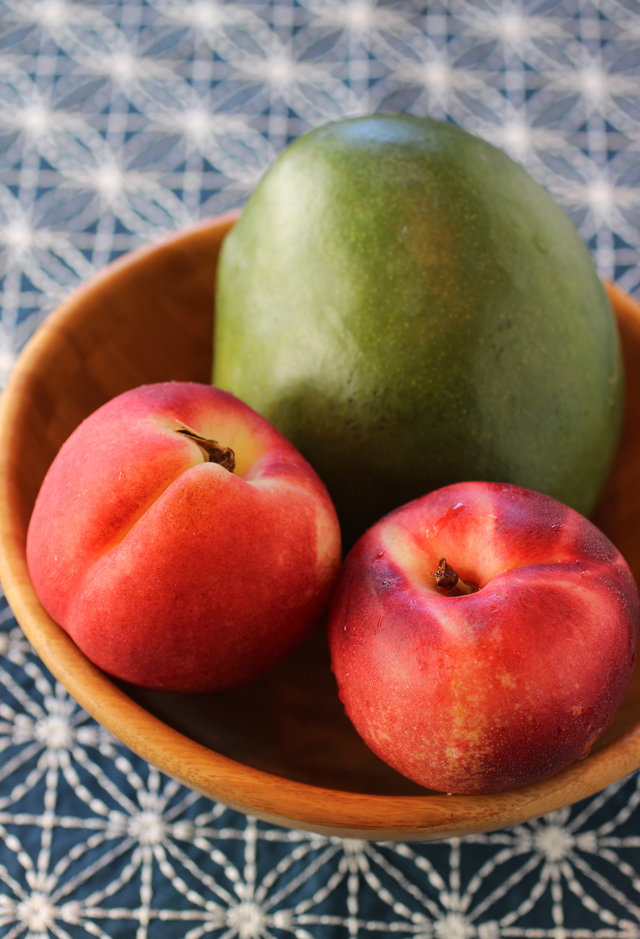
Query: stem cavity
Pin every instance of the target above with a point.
(214, 453)
(447, 579)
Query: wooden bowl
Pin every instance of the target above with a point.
(280, 748)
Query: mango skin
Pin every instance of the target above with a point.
(411, 309)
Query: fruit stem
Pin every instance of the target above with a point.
(447, 579)
(214, 452)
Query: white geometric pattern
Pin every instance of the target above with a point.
(97, 843)
(120, 121)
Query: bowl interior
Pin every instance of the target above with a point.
(148, 318)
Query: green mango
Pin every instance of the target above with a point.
(410, 308)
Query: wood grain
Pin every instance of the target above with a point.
(280, 748)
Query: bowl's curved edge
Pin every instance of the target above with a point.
(271, 798)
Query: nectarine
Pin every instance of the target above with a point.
(483, 637)
(181, 541)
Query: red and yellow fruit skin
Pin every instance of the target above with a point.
(500, 688)
(171, 572)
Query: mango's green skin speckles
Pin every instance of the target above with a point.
(411, 309)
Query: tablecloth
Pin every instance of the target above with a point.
(123, 120)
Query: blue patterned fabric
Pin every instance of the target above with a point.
(123, 120)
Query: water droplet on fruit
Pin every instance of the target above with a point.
(442, 522)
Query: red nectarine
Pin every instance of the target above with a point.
(169, 567)
(505, 678)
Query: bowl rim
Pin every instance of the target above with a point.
(272, 798)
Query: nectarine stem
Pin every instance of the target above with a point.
(447, 579)
(214, 452)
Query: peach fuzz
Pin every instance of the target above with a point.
(499, 687)
(171, 571)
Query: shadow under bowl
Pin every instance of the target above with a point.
(280, 748)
